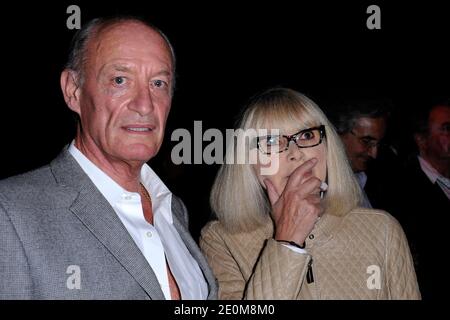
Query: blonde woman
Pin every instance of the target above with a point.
(298, 233)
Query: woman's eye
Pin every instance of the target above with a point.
(272, 141)
(308, 135)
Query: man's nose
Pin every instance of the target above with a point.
(142, 101)
(373, 152)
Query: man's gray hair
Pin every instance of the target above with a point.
(345, 115)
(77, 52)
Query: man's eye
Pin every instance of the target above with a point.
(119, 80)
(159, 83)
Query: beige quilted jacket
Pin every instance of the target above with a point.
(363, 255)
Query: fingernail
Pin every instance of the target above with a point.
(314, 160)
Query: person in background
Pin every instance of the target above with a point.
(289, 222)
(362, 126)
(425, 192)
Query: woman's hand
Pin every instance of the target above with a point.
(297, 209)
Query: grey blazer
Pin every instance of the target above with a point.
(55, 225)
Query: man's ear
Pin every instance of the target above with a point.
(420, 142)
(71, 90)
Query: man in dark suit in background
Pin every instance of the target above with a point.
(362, 125)
(424, 204)
(97, 222)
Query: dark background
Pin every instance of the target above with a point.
(226, 52)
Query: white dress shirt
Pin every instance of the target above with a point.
(435, 176)
(361, 177)
(156, 242)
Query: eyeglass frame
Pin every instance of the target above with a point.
(293, 137)
(368, 145)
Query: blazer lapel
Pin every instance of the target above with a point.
(195, 251)
(99, 217)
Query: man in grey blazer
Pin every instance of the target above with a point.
(97, 222)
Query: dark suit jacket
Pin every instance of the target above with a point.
(422, 209)
(53, 218)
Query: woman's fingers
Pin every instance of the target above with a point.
(271, 191)
(298, 174)
(309, 186)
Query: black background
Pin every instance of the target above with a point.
(226, 52)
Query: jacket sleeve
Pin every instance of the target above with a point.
(401, 276)
(278, 273)
(15, 278)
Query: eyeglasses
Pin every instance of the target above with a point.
(306, 138)
(368, 142)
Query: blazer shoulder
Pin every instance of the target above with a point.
(36, 188)
(32, 179)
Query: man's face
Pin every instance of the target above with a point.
(361, 143)
(437, 143)
(126, 94)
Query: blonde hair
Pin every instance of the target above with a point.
(237, 197)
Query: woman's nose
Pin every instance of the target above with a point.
(294, 152)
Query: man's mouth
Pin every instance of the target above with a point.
(139, 129)
(364, 159)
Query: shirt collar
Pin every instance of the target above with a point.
(361, 177)
(114, 193)
(428, 169)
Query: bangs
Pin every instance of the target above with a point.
(289, 114)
